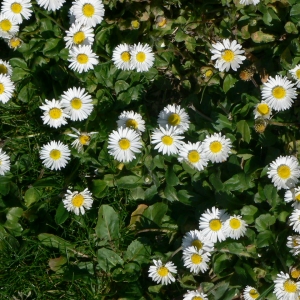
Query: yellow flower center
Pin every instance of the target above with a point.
(228, 55)
(278, 92)
(295, 243)
(284, 171)
(197, 298)
(3, 69)
(298, 73)
(297, 197)
(208, 73)
(77, 200)
(162, 22)
(167, 140)
(196, 259)
(197, 244)
(55, 154)
(295, 273)
(124, 144)
(263, 108)
(76, 103)
(135, 24)
(84, 139)
(253, 293)
(174, 119)
(215, 225)
(132, 123)
(55, 113)
(0, 162)
(290, 286)
(16, 8)
(2, 88)
(14, 42)
(163, 271)
(79, 37)
(140, 57)
(82, 58)
(215, 147)
(193, 156)
(125, 56)
(88, 10)
(5, 25)
(235, 223)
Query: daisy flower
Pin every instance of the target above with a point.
(193, 155)
(135, 24)
(81, 139)
(142, 57)
(88, 12)
(196, 260)
(212, 224)
(197, 239)
(51, 4)
(284, 172)
(194, 295)
(6, 88)
(262, 110)
(77, 202)
(122, 57)
(14, 43)
(82, 58)
(77, 103)
(162, 273)
(123, 144)
(4, 162)
(55, 155)
(293, 242)
(295, 220)
(296, 74)
(279, 93)
(216, 147)
(79, 34)
(295, 273)
(248, 2)
(250, 293)
(286, 288)
(8, 26)
(235, 227)
(228, 55)
(5, 68)
(293, 196)
(54, 115)
(168, 140)
(132, 120)
(174, 115)
(16, 9)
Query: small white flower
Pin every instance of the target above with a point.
(293, 196)
(51, 5)
(250, 293)
(81, 139)
(296, 74)
(142, 57)
(293, 242)
(295, 220)
(162, 273)
(262, 110)
(8, 26)
(194, 295)
(122, 57)
(235, 227)
(131, 120)
(5, 68)
(79, 34)
(77, 202)
(197, 239)
(248, 2)
(16, 9)
(196, 260)
(4, 162)
(286, 288)
(6, 88)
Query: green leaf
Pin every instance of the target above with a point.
(27, 92)
(290, 27)
(51, 47)
(138, 251)
(31, 195)
(171, 178)
(170, 193)
(263, 222)
(61, 214)
(18, 62)
(53, 241)
(243, 128)
(4, 185)
(248, 212)
(190, 43)
(12, 219)
(129, 182)
(295, 12)
(155, 213)
(108, 259)
(228, 83)
(137, 193)
(19, 74)
(99, 188)
(56, 264)
(215, 180)
(239, 182)
(264, 239)
(221, 263)
(129, 273)
(121, 86)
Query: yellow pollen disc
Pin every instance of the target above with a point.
(55, 113)
(174, 119)
(124, 144)
(135, 24)
(295, 273)
(290, 286)
(5, 25)
(82, 58)
(208, 73)
(88, 10)
(167, 140)
(197, 244)
(193, 156)
(284, 171)
(163, 271)
(3, 69)
(76, 103)
(235, 223)
(196, 259)
(125, 56)
(246, 75)
(84, 139)
(197, 298)
(77, 200)
(140, 57)
(297, 197)
(295, 243)
(298, 74)
(16, 8)
(15, 42)
(215, 147)
(79, 37)
(2, 88)
(132, 123)
(253, 294)
(263, 109)
(215, 225)
(55, 154)
(278, 92)
(162, 23)
(228, 55)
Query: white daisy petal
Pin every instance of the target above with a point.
(122, 57)
(250, 293)
(248, 2)
(79, 34)
(142, 57)
(16, 9)
(293, 242)
(4, 162)
(296, 74)
(162, 273)
(295, 220)
(235, 227)
(8, 26)
(6, 88)
(197, 239)
(286, 288)
(196, 260)
(194, 295)
(262, 110)
(51, 5)
(81, 139)
(5, 68)
(132, 120)
(293, 196)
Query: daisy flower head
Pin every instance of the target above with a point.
(55, 155)
(293, 196)
(296, 74)
(16, 9)
(14, 42)
(195, 260)
(167, 140)
(279, 93)
(262, 110)
(131, 120)
(88, 12)
(235, 227)
(6, 88)
(77, 202)
(82, 58)
(4, 162)
(54, 114)
(248, 2)
(216, 147)
(284, 172)
(228, 55)
(193, 154)
(196, 238)
(77, 103)
(123, 143)
(5, 68)
(212, 224)
(295, 272)
(142, 57)
(293, 242)
(295, 220)
(174, 115)
(194, 295)
(79, 34)
(81, 139)
(162, 273)
(122, 57)
(285, 287)
(51, 5)
(250, 293)
(8, 26)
